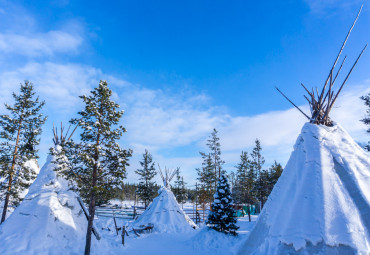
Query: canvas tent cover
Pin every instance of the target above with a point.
(166, 214)
(321, 203)
(48, 221)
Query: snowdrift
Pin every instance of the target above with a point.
(166, 214)
(48, 221)
(321, 203)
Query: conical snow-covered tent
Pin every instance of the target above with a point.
(164, 212)
(321, 202)
(48, 221)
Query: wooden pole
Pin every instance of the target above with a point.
(196, 203)
(292, 103)
(123, 235)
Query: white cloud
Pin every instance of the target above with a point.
(21, 34)
(165, 122)
(40, 44)
(158, 119)
(321, 7)
(60, 85)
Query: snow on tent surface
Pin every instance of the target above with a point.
(321, 203)
(48, 221)
(166, 214)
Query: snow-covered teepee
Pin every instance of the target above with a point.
(49, 220)
(321, 202)
(164, 212)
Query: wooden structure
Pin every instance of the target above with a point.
(167, 175)
(322, 103)
(60, 139)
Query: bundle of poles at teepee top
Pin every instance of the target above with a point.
(322, 103)
(62, 138)
(168, 175)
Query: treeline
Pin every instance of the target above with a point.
(251, 182)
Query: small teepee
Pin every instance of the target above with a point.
(164, 212)
(321, 202)
(49, 220)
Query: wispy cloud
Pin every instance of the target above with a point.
(329, 7)
(163, 121)
(59, 84)
(41, 44)
(22, 35)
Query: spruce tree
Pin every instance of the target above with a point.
(146, 188)
(222, 217)
(366, 120)
(97, 164)
(20, 131)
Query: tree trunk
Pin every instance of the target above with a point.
(6, 202)
(92, 201)
(90, 222)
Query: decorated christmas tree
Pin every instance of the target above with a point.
(222, 218)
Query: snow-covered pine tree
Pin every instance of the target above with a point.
(257, 163)
(222, 216)
(179, 189)
(366, 120)
(20, 131)
(98, 163)
(146, 189)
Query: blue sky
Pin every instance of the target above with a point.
(181, 68)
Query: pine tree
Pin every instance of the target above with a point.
(366, 120)
(146, 188)
(179, 189)
(206, 177)
(19, 136)
(97, 164)
(270, 177)
(215, 147)
(275, 172)
(222, 217)
(245, 178)
(257, 164)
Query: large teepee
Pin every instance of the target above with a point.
(321, 203)
(49, 220)
(164, 212)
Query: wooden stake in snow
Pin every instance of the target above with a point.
(321, 104)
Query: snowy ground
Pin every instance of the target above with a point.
(200, 241)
